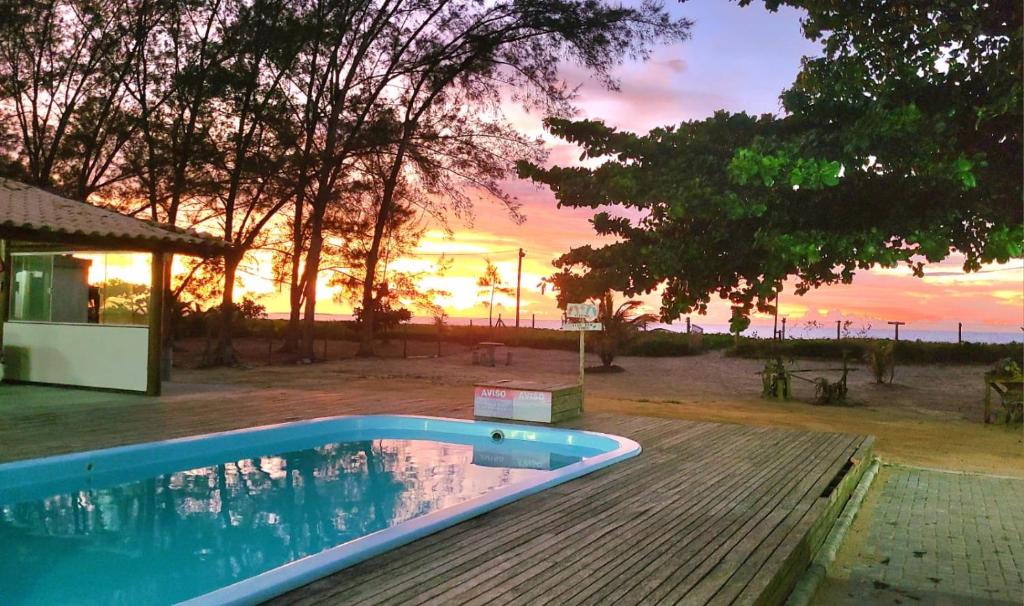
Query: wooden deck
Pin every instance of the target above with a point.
(708, 513)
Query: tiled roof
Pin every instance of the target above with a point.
(28, 212)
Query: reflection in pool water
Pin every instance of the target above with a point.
(182, 534)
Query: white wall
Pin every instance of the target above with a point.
(87, 355)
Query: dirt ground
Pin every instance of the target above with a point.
(930, 417)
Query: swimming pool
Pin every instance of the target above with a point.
(241, 516)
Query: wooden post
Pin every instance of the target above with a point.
(156, 328)
(897, 325)
(6, 281)
(583, 355)
(519, 283)
(838, 324)
(988, 400)
(959, 332)
(783, 336)
(533, 320)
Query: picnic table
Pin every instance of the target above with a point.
(485, 353)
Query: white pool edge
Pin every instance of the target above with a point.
(301, 572)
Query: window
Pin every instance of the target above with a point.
(80, 288)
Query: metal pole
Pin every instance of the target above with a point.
(519, 283)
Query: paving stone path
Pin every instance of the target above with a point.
(930, 537)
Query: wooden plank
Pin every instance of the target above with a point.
(696, 549)
(773, 586)
(751, 538)
(507, 568)
(787, 525)
(663, 524)
(588, 533)
(499, 541)
(614, 490)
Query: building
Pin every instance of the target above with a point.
(65, 317)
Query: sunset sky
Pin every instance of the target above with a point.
(738, 59)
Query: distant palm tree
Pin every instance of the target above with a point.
(619, 325)
(490, 283)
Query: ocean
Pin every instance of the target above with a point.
(860, 329)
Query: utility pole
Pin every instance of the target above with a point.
(838, 324)
(519, 283)
(775, 330)
(897, 325)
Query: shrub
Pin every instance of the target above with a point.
(661, 343)
(907, 352)
(881, 361)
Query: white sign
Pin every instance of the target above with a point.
(506, 403)
(586, 312)
(582, 326)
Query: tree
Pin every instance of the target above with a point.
(490, 284)
(452, 157)
(477, 52)
(349, 233)
(902, 144)
(64, 67)
(230, 111)
(618, 326)
(253, 140)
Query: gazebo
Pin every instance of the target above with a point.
(57, 324)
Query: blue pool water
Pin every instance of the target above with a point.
(122, 536)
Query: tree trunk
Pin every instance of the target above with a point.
(224, 352)
(294, 327)
(316, 241)
(373, 255)
(369, 312)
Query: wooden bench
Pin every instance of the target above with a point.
(1011, 392)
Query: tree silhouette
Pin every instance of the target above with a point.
(490, 284)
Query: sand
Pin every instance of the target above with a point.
(930, 417)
